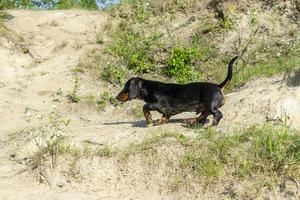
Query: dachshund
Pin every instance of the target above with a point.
(170, 99)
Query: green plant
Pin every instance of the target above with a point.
(225, 22)
(8, 4)
(135, 50)
(264, 68)
(113, 74)
(79, 68)
(99, 39)
(104, 99)
(105, 151)
(73, 97)
(51, 140)
(86, 4)
(178, 64)
(61, 46)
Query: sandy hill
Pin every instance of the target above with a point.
(36, 75)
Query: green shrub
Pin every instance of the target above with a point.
(106, 98)
(62, 4)
(178, 64)
(264, 68)
(267, 149)
(74, 97)
(86, 4)
(113, 74)
(134, 49)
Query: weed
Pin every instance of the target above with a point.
(74, 169)
(225, 22)
(176, 183)
(113, 74)
(85, 4)
(150, 142)
(79, 68)
(104, 99)
(264, 68)
(178, 65)
(51, 140)
(105, 151)
(90, 99)
(135, 50)
(73, 97)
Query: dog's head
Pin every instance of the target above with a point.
(131, 90)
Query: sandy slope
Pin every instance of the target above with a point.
(28, 83)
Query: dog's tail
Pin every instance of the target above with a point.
(229, 73)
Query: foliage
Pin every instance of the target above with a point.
(51, 140)
(74, 95)
(85, 4)
(113, 74)
(135, 50)
(178, 65)
(106, 98)
(48, 4)
(268, 151)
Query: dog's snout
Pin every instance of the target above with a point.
(123, 96)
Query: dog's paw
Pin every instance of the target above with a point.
(190, 121)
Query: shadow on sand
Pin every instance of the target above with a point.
(141, 123)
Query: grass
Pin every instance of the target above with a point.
(82, 4)
(106, 98)
(264, 68)
(267, 152)
(62, 4)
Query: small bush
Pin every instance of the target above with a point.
(113, 74)
(178, 64)
(51, 139)
(106, 98)
(135, 50)
(105, 151)
(73, 97)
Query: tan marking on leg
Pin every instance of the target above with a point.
(162, 120)
(193, 121)
(148, 116)
(190, 121)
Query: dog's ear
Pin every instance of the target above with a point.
(133, 89)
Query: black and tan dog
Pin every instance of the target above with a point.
(171, 99)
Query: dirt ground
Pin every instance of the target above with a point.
(28, 86)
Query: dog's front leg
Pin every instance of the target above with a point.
(147, 114)
(146, 110)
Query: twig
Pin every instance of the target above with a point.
(92, 142)
(45, 177)
(249, 41)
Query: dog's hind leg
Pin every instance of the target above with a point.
(217, 117)
(201, 119)
(163, 120)
(216, 113)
